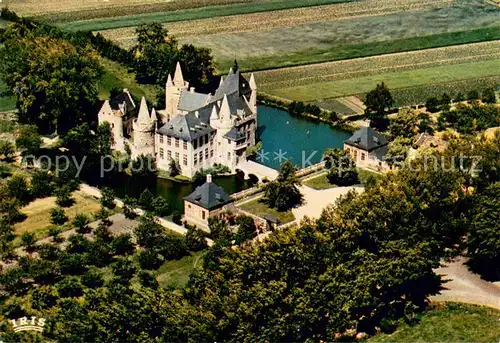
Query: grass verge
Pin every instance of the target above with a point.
(259, 209)
(188, 14)
(319, 182)
(176, 273)
(449, 322)
(117, 76)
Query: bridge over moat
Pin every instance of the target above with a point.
(259, 170)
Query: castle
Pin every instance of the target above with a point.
(195, 130)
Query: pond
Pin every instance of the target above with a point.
(299, 138)
(278, 130)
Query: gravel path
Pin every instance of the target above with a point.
(466, 286)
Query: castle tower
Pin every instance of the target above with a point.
(173, 90)
(143, 131)
(253, 95)
(115, 119)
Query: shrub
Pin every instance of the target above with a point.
(195, 238)
(81, 223)
(28, 240)
(122, 244)
(432, 104)
(146, 200)
(18, 188)
(160, 206)
(177, 217)
(149, 259)
(41, 184)
(63, 197)
(58, 217)
(108, 198)
(93, 278)
(69, 287)
(43, 297)
(148, 279)
(6, 148)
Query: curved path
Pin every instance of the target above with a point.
(465, 286)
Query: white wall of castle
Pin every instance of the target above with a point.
(106, 115)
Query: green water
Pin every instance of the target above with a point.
(278, 130)
(302, 139)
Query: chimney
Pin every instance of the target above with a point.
(197, 114)
(209, 178)
(125, 90)
(191, 89)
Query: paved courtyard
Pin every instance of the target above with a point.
(316, 200)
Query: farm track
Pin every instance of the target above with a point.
(339, 70)
(281, 18)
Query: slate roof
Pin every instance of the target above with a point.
(120, 99)
(187, 127)
(233, 83)
(367, 139)
(209, 196)
(192, 101)
(234, 134)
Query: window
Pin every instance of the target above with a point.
(169, 155)
(212, 153)
(177, 156)
(206, 139)
(161, 153)
(200, 143)
(161, 139)
(195, 144)
(229, 155)
(348, 151)
(363, 156)
(201, 156)
(206, 154)
(185, 145)
(355, 154)
(203, 214)
(177, 142)
(195, 159)
(185, 160)
(169, 140)
(248, 135)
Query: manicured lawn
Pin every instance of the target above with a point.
(38, 213)
(260, 209)
(319, 182)
(364, 174)
(394, 80)
(189, 14)
(117, 76)
(449, 322)
(176, 273)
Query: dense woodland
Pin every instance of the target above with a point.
(365, 266)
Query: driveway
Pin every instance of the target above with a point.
(466, 286)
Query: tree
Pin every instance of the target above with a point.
(29, 140)
(246, 229)
(93, 278)
(69, 287)
(128, 205)
(124, 270)
(489, 96)
(378, 102)
(404, 124)
(173, 168)
(55, 233)
(122, 244)
(473, 95)
(146, 200)
(483, 240)
(81, 223)
(342, 169)
(57, 216)
(6, 149)
(65, 76)
(432, 104)
(198, 67)
(195, 238)
(149, 259)
(176, 217)
(107, 198)
(28, 240)
(63, 196)
(18, 188)
(460, 97)
(144, 168)
(160, 206)
(283, 193)
(445, 102)
(43, 297)
(155, 54)
(148, 279)
(398, 150)
(41, 184)
(73, 264)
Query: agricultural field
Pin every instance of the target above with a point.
(278, 19)
(171, 11)
(322, 82)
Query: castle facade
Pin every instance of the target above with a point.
(195, 130)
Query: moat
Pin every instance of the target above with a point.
(296, 137)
